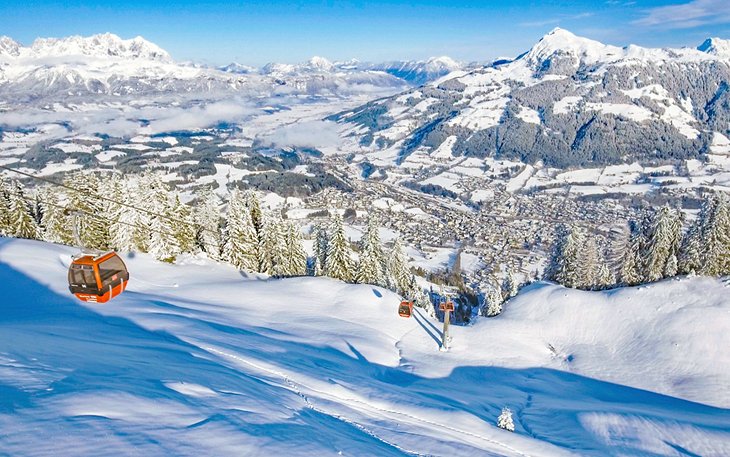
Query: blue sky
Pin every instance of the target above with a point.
(256, 32)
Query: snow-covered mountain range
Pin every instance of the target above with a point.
(108, 65)
(414, 72)
(567, 101)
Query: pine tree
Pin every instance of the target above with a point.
(716, 253)
(493, 299)
(338, 262)
(416, 294)
(144, 189)
(321, 247)
(663, 241)
(631, 273)
(509, 286)
(317, 267)
(604, 277)
(671, 268)
(254, 207)
(272, 248)
(22, 223)
(89, 210)
(241, 248)
(295, 257)
(207, 222)
(123, 218)
(565, 267)
(56, 225)
(183, 225)
(589, 261)
(36, 211)
(504, 420)
(691, 251)
(372, 260)
(163, 245)
(5, 229)
(398, 271)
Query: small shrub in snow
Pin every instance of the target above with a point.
(505, 420)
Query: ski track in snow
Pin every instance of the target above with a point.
(237, 355)
(296, 388)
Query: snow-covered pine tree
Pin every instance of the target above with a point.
(692, 250)
(493, 299)
(671, 268)
(254, 207)
(604, 277)
(22, 222)
(89, 210)
(317, 267)
(272, 247)
(416, 293)
(36, 210)
(141, 190)
(295, 257)
(5, 229)
(631, 265)
(663, 241)
(589, 261)
(509, 286)
(398, 271)
(565, 267)
(321, 241)
(56, 226)
(183, 225)
(164, 245)
(716, 258)
(504, 420)
(338, 262)
(370, 269)
(122, 218)
(241, 248)
(207, 222)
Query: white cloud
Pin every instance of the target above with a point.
(314, 134)
(197, 117)
(686, 15)
(125, 122)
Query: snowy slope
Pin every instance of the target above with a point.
(569, 101)
(197, 359)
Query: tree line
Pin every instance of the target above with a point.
(658, 247)
(140, 213)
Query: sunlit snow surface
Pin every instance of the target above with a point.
(198, 359)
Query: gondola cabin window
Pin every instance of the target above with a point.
(110, 270)
(82, 276)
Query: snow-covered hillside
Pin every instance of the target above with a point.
(568, 101)
(197, 359)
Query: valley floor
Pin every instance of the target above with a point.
(199, 359)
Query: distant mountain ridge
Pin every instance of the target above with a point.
(102, 45)
(105, 64)
(568, 101)
(413, 72)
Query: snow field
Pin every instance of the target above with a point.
(198, 358)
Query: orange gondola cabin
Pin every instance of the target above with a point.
(97, 279)
(405, 309)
